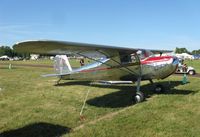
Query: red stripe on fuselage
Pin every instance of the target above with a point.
(145, 61)
(156, 59)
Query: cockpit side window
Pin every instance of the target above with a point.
(125, 59)
(128, 58)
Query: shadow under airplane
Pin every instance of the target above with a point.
(37, 130)
(123, 97)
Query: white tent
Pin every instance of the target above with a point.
(4, 57)
(185, 56)
(34, 56)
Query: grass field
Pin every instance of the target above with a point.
(194, 63)
(32, 106)
(74, 62)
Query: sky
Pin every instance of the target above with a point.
(148, 24)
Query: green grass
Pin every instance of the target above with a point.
(74, 62)
(31, 105)
(34, 62)
(194, 63)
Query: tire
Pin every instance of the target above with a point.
(159, 89)
(191, 72)
(139, 97)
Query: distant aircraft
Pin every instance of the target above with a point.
(110, 63)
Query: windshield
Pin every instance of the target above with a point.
(144, 54)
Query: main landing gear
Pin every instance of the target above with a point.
(139, 96)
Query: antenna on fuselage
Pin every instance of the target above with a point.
(161, 54)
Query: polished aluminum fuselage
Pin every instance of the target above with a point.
(158, 67)
(148, 68)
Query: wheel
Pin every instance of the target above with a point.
(191, 72)
(159, 88)
(139, 97)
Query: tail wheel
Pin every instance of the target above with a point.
(139, 97)
(159, 88)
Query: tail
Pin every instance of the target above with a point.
(61, 64)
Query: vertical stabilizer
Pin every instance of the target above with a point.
(61, 64)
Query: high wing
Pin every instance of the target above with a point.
(82, 49)
(64, 47)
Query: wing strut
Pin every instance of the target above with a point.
(111, 58)
(132, 72)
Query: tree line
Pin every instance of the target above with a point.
(6, 50)
(184, 50)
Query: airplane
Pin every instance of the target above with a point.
(110, 63)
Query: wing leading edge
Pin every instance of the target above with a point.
(66, 47)
(61, 47)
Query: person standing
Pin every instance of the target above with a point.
(82, 62)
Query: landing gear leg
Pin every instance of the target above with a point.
(139, 97)
(151, 81)
(57, 82)
(158, 88)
